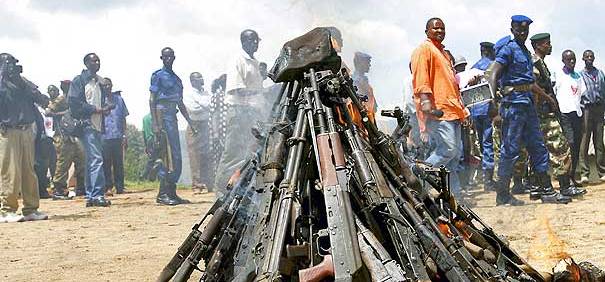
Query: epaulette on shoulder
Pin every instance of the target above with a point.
(502, 42)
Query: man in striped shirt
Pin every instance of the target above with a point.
(593, 101)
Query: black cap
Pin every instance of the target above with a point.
(540, 36)
(486, 44)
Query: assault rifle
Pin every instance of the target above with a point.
(201, 244)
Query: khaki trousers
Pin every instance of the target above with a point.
(17, 171)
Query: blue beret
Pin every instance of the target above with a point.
(520, 19)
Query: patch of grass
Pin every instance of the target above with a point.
(143, 185)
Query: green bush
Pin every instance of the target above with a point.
(135, 158)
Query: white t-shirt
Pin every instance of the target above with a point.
(92, 90)
(409, 106)
(198, 104)
(568, 89)
(48, 123)
(244, 74)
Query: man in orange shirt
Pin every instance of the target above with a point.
(438, 102)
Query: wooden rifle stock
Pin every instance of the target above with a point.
(319, 272)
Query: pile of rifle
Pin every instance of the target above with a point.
(324, 199)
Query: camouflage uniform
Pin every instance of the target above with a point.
(69, 150)
(557, 145)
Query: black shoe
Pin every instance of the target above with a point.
(573, 191)
(488, 180)
(519, 187)
(508, 200)
(173, 195)
(555, 198)
(180, 200)
(120, 191)
(166, 200)
(98, 202)
(44, 195)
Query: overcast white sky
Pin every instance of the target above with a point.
(50, 37)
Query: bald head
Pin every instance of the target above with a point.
(197, 80)
(168, 57)
(569, 59)
(588, 58)
(92, 62)
(250, 40)
(435, 29)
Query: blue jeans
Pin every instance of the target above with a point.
(483, 125)
(172, 131)
(446, 135)
(93, 151)
(520, 126)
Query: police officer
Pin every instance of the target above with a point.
(17, 116)
(166, 96)
(513, 69)
(482, 122)
(548, 112)
(69, 150)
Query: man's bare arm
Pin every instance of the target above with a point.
(494, 73)
(155, 123)
(185, 114)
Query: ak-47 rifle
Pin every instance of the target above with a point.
(334, 182)
(384, 145)
(381, 201)
(201, 244)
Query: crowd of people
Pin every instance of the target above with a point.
(536, 121)
(532, 122)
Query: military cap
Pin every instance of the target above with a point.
(486, 44)
(540, 36)
(520, 19)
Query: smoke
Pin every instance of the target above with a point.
(50, 37)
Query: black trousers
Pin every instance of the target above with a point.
(593, 127)
(113, 164)
(45, 160)
(572, 129)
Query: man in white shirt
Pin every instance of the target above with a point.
(245, 100)
(198, 144)
(568, 89)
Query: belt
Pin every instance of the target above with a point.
(167, 103)
(507, 89)
(19, 127)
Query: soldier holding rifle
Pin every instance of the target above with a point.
(165, 101)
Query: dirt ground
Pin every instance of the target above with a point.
(134, 238)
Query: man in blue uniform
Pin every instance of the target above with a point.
(483, 123)
(513, 70)
(166, 96)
